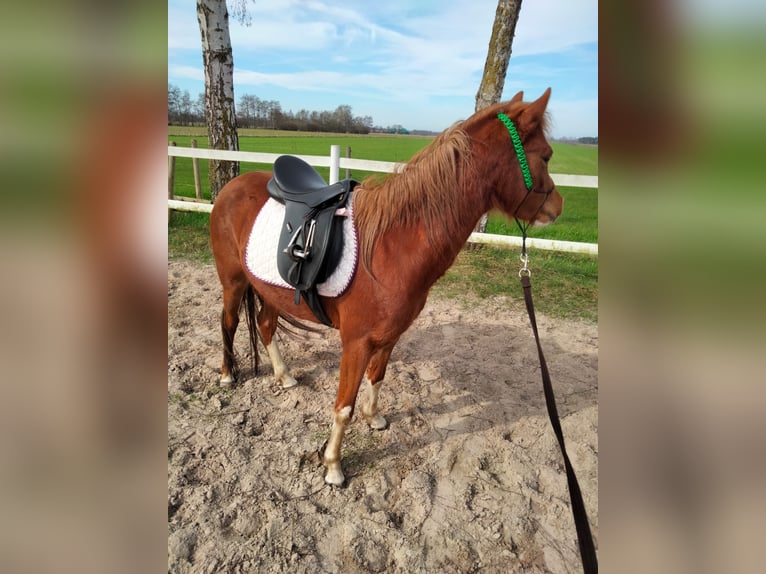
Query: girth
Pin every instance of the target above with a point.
(311, 236)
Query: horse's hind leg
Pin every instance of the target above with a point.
(233, 291)
(376, 370)
(267, 325)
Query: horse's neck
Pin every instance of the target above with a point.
(436, 256)
(432, 209)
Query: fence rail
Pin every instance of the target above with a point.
(335, 162)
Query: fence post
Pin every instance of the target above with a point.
(171, 176)
(334, 163)
(348, 155)
(171, 172)
(195, 167)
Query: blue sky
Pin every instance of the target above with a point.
(414, 63)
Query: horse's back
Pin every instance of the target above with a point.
(237, 204)
(248, 187)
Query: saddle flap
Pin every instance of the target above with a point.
(303, 245)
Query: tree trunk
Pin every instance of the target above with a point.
(498, 56)
(213, 18)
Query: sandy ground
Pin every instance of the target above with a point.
(467, 478)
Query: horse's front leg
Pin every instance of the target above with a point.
(374, 375)
(353, 362)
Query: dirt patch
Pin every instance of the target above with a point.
(466, 478)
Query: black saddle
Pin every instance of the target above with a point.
(311, 236)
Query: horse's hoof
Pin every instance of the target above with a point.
(288, 382)
(334, 476)
(377, 422)
(227, 381)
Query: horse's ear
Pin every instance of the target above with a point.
(517, 98)
(532, 115)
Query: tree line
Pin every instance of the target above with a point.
(254, 112)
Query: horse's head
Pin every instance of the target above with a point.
(533, 199)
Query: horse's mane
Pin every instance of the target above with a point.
(422, 190)
(425, 189)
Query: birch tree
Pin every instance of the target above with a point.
(496, 65)
(220, 116)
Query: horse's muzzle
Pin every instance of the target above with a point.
(549, 210)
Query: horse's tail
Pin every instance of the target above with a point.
(286, 323)
(252, 303)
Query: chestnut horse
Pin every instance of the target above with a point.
(410, 225)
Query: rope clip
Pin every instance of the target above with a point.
(525, 270)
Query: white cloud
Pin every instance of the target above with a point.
(547, 26)
(310, 81)
(289, 36)
(300, 26)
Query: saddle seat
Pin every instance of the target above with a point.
(311, 236)
(295, 180)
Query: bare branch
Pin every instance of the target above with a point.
(239, 11)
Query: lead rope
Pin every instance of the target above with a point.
(584, 537)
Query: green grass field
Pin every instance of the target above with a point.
(566, 285)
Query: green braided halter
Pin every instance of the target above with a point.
(519, 149)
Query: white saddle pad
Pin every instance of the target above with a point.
(261, 250)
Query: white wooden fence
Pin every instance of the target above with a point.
(335, 162)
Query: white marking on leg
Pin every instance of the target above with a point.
(227, 380)
(334, 474)
(370, 407)
(281, 374)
